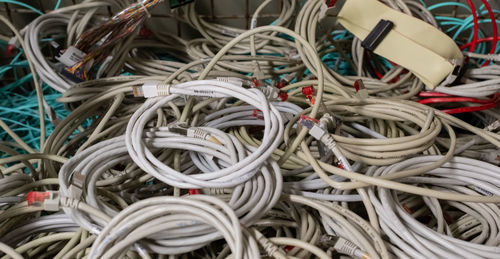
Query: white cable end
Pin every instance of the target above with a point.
(347, 247)
(49, 200)
(232, 80)
(152, 89)
(317, 132)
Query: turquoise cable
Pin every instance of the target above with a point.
(23, 5)
(57, 4)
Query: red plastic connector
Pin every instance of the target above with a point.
(11, 49)
(257, 114)
(283, 96)
(194, 191)
(308, 90)
(256, 82)
(359, 85)
(281, 84)
(331, 3)
(35, 197)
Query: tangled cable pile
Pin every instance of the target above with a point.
(299, 139)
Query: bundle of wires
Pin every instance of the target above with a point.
(98, 42)
(288, 140)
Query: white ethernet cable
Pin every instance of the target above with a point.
(459, 175)
(81, 176)
(155, 215)
(238, 171)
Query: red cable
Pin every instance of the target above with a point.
(495, 30)
(454, 100)
(476, 26)
(470, 109)
(432, 94)
(485, 104)
(478, 41)
(380, 76)
(371, 67)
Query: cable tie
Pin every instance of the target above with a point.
(304, 117)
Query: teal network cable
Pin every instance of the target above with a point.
(23, 5)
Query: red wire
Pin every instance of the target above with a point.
(454, 100)
(380, 76)
(486, 104)
(368, 58)
(470, 109)
(495, 30)
(478, 41)
(476, 26)
(432, 94)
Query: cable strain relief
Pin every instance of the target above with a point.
(69, 202)
(345, 246)
(198, 133)
(270, 248)
(214, 191)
